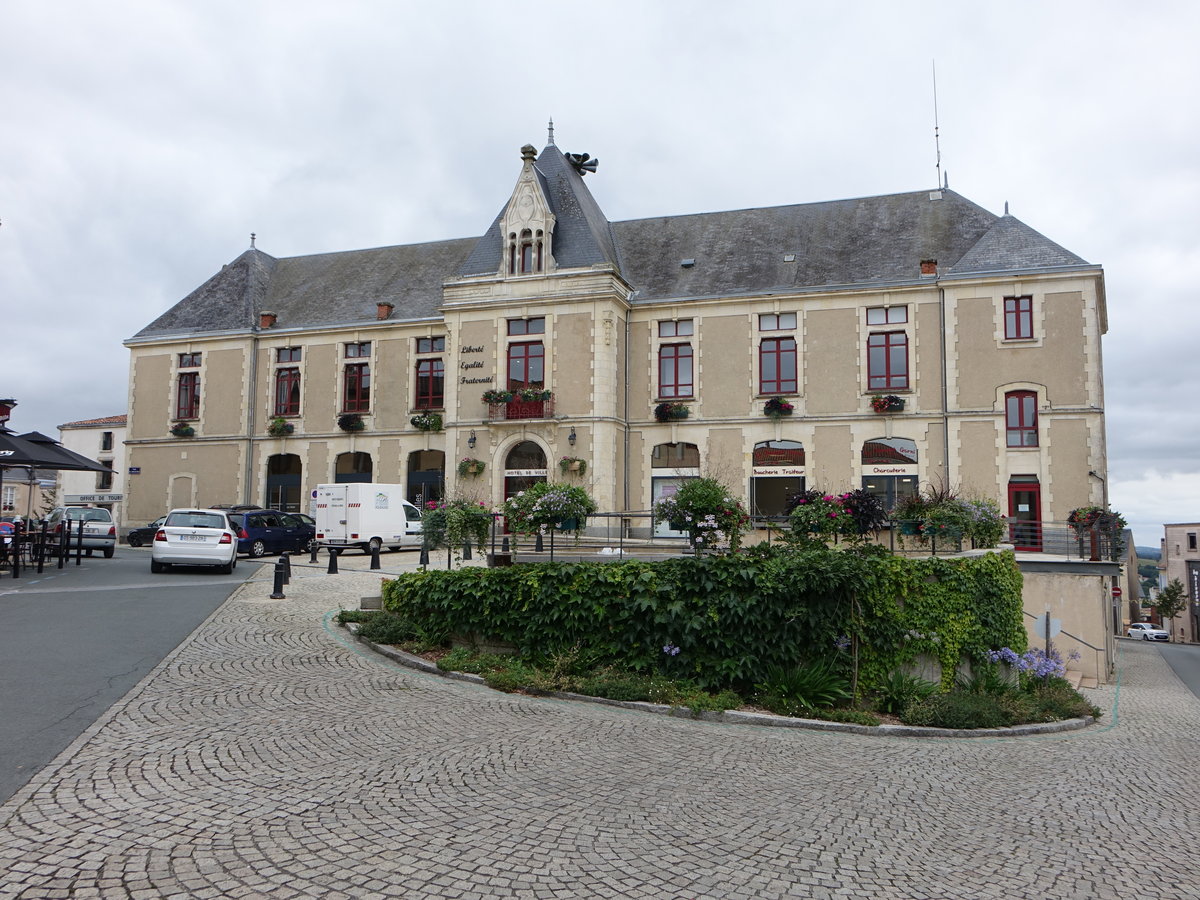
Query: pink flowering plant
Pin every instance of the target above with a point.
(817, 517)
(707, 511)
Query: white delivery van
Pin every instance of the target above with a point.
(362, 515)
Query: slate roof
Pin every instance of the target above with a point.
(844, 243)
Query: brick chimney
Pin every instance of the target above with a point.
(383, 310)
(266, 319)
(929, 267)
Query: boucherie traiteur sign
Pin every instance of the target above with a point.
(470, 365)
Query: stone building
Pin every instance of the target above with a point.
(916, 339)
(1180, 560)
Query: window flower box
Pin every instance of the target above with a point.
(887, 403)
(521, 409)
(671, 411)
(182, 430)
(280, 427)
(777, 408)
(351, 422)
(490, 397)
(470, 466)
(426, 422)
(572, 464)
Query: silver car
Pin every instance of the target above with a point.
(1146, 631)
(194, 537)
(99, 530)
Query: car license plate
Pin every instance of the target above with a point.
(192, 537)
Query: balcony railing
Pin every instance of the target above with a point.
(521, 409)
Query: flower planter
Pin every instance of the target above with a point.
(887, 404)
(182, 431)
(573, 467)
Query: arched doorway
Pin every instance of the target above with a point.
(426, 476)
(283, 482)
(352, 468)
(524, 467)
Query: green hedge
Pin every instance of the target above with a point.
(732, 617)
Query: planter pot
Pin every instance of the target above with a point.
(568, 525)
(573, 467)
(909, 527)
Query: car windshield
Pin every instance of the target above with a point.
(89, 515)
(196, 520)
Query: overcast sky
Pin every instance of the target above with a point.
(142, 142)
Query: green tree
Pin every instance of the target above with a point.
(1172, 600)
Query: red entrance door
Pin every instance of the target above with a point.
(1025, 512)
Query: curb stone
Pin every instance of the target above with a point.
(740, 717)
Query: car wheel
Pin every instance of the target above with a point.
(156, 567)
(230, 566)
(109, 551)
(373, 546)
(258, 549)
(135, 541)
(87, 552)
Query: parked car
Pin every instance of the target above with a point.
(1146, 631)
(194, 537)
(263, 531)
(145, 534)
(99, 530)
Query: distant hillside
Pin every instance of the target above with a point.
(1149, 552)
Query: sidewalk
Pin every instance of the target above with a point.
(272, 756)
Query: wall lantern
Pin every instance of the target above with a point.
(571, 437)
(471, 439)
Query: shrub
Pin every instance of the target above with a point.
(900, 690)
(454, 522)
(707, 511)
(958, 709)
(803, 687)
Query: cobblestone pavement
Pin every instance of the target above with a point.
(270, 756)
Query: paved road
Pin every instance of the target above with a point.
(1184, 659)
(270, 757)
(76, 639)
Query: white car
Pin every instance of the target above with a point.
(1146, 631)
(194, 537)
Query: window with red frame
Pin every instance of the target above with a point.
(287, 391)
(356, 387)
(675, 370)
(887, 361)
(187, 396)
(1020, 418)
(526, 365)
(1018, 318)
(777, 366)
(431, 384)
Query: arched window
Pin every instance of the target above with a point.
(675, 456)
(778, 476)
(426, 476)
(1021, 419)
(779, 453)
(886, 469)
(889, 451)
(352, 468)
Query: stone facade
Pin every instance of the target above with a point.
(987, 331)
(1181, 560)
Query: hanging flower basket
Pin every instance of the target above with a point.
(280, 427)
(572, 464)
(351, 422)
(671, 411)
(182, 430)
(426, 422)
(777, 408)
(468, 465)
(886, 403)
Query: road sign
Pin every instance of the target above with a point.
(1039, 627)
(1116, 592)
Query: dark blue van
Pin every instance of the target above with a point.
(263, 531)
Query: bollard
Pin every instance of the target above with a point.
(504, 546)
(312, 551)
(466, 549)
(424, 560)
(79, 545)
(287, 567)
(41, 548)
(374, 555)
(279, 576)
(333, 555)
(537, 545)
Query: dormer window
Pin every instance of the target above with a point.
(526, 253)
